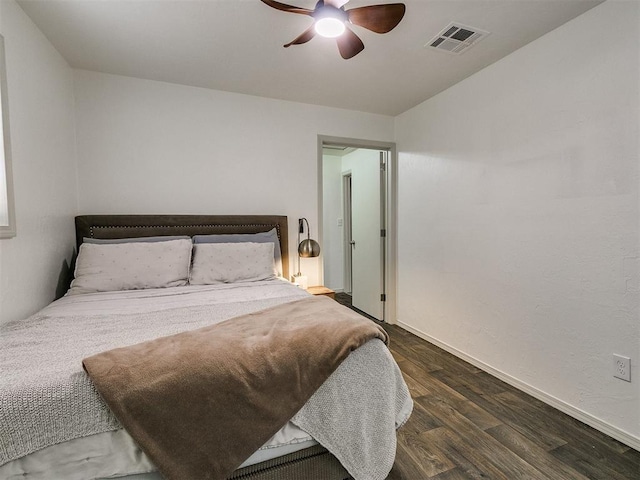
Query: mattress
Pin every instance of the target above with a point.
(115, 454)
(112, 453)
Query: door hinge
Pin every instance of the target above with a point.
(383, 232)
(383, 297)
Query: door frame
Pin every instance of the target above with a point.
(391, 239)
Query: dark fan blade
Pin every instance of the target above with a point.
(349, 44)
(377, 18)
(287, 8)
(304, 37)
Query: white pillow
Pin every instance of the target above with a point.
(231, 262)
(260, 237)
(131, 266)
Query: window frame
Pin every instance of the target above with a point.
(6, 230)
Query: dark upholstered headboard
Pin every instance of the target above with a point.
(130, 226)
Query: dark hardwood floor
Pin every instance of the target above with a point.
(467, 424)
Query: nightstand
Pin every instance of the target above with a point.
(320, 290)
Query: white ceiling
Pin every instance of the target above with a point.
(236, 46)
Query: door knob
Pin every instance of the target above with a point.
(352, 243)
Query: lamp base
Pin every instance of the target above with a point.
(300, 280)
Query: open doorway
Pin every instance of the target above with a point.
(357, 245)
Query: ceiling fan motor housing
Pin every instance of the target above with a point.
(329, 11)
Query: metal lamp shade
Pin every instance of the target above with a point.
(308, 248)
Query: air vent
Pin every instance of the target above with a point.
(456, 38)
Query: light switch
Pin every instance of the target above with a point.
(339, 222)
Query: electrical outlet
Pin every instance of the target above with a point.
(622, 367)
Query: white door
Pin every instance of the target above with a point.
(367, 245)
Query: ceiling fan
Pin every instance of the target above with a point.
(331, 20)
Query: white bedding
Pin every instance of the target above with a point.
(158, 299)
(110, 451)
(83, 458)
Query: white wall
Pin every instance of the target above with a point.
(363, 164)
(153, 147)
(332, 233)
(518, 216)
(40, 88)
(366, 280)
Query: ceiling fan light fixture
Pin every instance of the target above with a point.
(330, 27)
(331, 19)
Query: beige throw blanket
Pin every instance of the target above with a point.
(200, 402)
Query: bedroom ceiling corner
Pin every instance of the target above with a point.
(237, 46)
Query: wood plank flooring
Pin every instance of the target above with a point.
(467, 424)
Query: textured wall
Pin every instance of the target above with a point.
(332, 234)
(518, 212)
(40, 88)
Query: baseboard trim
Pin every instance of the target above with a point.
(584, 417)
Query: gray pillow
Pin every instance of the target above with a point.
(231, 262)
(261, 237)
(166, 238)
(131, 266)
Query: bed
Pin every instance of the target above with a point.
(68, 432)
